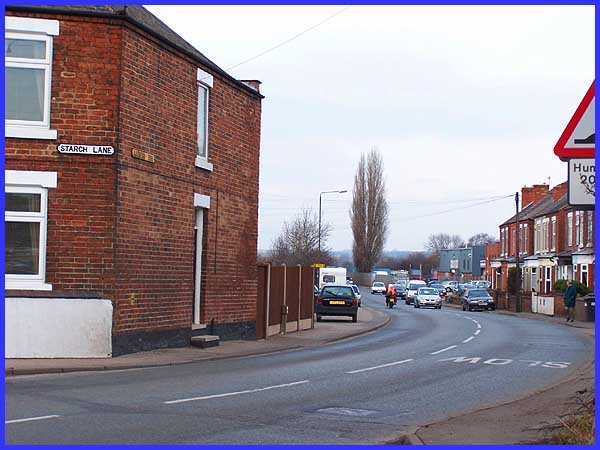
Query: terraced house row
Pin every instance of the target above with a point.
(556, 241)
(131, 186)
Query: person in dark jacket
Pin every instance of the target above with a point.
(570, 296)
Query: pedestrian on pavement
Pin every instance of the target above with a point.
(569, 297)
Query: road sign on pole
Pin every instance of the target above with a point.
(579, 138)
(582, 182)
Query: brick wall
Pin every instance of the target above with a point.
(533, 194)
(125, 227)
(156, 215)
(81, 209)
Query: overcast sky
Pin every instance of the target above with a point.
(464, 103)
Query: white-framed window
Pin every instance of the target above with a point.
(579, 227)
(26, 219)
(584, 274)
(570, 228)
(590, 229)
(502, 242)
(553, 245)
(525, 240)
(548, 279)
(28, 77)
(513, 243)
(204, 83)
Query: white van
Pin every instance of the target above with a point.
(411, 290)
(333, 276)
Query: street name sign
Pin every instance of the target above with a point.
(579, 138)
(86, 149)
(582, 181)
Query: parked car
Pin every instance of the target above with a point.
(400, 290)
(412, 289)
(356, 293)
(349, 280)
(378, 288)
(478, 299)
(450, 285)
(337, 301)
(484, 284)
(428, 296)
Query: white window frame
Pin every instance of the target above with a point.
(584, 271)
(553, 234)
(30, 182)
(570, 229)
(548, 279)
(590, 229)
(37, 30)
(205, 81)
(525, 239)
(579, 228)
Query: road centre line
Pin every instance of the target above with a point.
(379, 367)
(228, 394)
(478, 325)
(477, 332)
(30, 419)
(468, 339)
(444, 349)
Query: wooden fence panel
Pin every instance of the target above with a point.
(276, 297)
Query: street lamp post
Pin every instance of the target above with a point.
(320, 194)
(519, 305)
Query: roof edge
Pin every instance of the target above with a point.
(123, 16)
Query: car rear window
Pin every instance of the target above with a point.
(478, 293)
(338, 291)
(428, 291)
(377, 284)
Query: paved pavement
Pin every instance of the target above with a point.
(331, 329)
(513, 422)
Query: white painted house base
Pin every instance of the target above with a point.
(57, 328)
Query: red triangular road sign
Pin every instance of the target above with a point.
(579, 138)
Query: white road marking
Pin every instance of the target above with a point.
(477, 332)
(478, 325)
(30, 419)
(228, 394)
(468, 339)
(443, 350)
(379, 367)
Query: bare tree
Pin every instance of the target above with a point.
(298, 242)
(369, 212)
(480, 239)
(442, 241)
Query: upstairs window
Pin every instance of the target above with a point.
(553, 233)
(28, 75)
(590, 228)
(205, 83)
(570, 229)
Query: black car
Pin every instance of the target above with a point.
(400, 290)
(477, 299)
(336, 301)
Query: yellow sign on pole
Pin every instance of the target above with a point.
(318, 265)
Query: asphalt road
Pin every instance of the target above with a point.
(425, 365)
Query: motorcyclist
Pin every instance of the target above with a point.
(391, 292)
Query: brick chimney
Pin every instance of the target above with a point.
(559, 190)
(533, 194)
(254, 84)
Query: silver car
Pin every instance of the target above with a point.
(428, 297)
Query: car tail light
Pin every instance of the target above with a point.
(354, 302)
(319, 300)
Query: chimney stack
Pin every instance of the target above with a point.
(559, 190)
(254, 84)
(533, 194)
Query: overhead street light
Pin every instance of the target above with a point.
(320, 209)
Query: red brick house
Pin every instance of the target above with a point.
(131, 186)
(555, 242)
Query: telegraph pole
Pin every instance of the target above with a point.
(519, 306)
